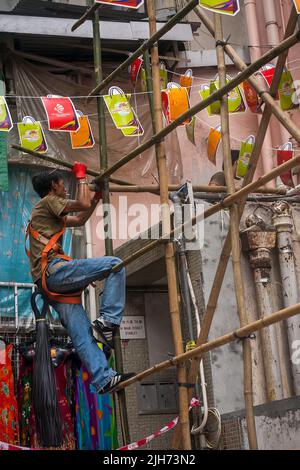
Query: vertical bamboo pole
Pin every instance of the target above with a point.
(235, 239)
(106, 208)
(169, 249)
(149, 86)
(225, 254)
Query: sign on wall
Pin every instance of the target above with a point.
(122, 3)
(133, 327)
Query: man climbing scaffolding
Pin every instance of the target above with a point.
(63, 279)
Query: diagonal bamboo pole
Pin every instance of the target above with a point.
(244, 75)
(199, 351)
(146, 45)
(169, 249)
(234, 236)
(89, 12)
(225, 254)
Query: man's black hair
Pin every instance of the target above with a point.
(42, 182)
(234, 157)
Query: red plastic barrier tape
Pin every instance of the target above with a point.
(5, 446)
(194, 402)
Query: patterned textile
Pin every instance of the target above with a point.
(9, 426)
(27, 428)
(95, 416)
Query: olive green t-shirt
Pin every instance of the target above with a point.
(46, 219)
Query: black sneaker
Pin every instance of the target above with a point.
(106, 333)
(116, 380)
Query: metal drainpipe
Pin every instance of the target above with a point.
(283, 222)
(259, 244)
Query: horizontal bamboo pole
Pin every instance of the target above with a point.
(146, 45)
(236, 197)
(240, 333)
(89, 12)
(244, 75)
(124, 186)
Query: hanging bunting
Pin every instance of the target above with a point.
(3, 162)
(6, 123)
(143, 80)
(284, 154)
(297, 6)
(229, 7)
(83, 138)
(186, 80)
(134, 70)
(244, 157)
(163, 76)
(122, 3)
(235, 98)
(122, 113)
(287, 91)
(61, 113)
(214, 108)
(31, 135)
(175, 101)
(267, 71)
(213, 141)
(190, 130)
(252, 98)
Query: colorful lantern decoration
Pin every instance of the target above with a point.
(229, 7)
(284, 154)
(61, 113)
(190, 130)
(186, 80)
(122, 113)
(287, 92)
(235, 99)
(163, 76)
(6, 123)
(214, 108)
(175, 101)
(252, 98)
(31, 135)
(134, 69)
(297, 6)
(244, 157)
(213, 141)
(83, 138)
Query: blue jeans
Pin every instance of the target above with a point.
(75, 275)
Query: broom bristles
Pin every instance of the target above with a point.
(45, 402)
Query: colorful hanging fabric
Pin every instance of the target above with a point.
(175, 101)
(6, 123)
(31, 135)
(122, 113)
(284, 154)
(122, 3)
(27, 427)
(190, 130)
(213, 141)
(83, 138)
(244, 157)
(61, 113)
(134, 69)
(95, 416)
(3, 162)
(252, 98)
(297, 6)
(186, 80)
(287, 91)
(9, 424)
(229, 7)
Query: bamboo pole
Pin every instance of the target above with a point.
(146, 45)
(225, 254)
(106, 211)
(169, 249)
(198, 352)
(245, 74)
(234, 235)
(89, 12)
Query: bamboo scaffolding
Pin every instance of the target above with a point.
(146, 45)
(234, 236)
(225, 254)
(199, 351)
(89, 12)
(107, 215)
(169, 249)
(245, 74)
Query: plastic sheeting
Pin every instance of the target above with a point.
(33, 81)
(16, 206)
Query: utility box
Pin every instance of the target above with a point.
(157, 398)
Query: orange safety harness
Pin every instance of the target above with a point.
(74, 298)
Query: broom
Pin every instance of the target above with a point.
(44, 394)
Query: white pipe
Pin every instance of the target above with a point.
(284, 224)
(89, 254)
